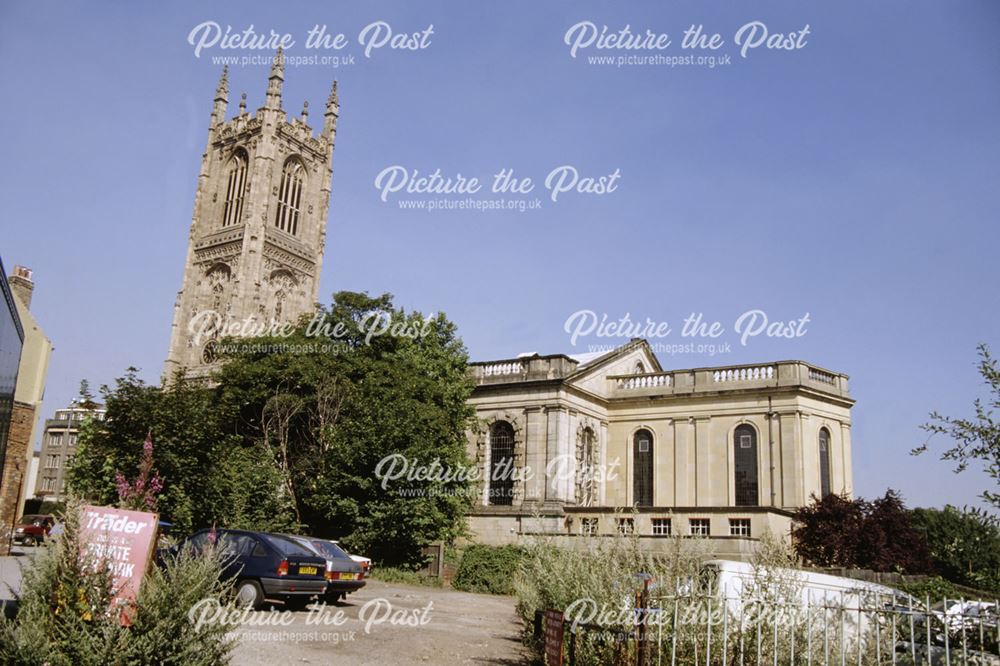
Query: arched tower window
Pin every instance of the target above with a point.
(586, 469)
(501, 481)
(642, 477)
(290, 196)
(824, 462)
(745, 459)
(235, 188)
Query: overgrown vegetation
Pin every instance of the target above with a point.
(488, 569)
(689, 618)
(600, 573)
(63, 616)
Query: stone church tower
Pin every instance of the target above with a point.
(256, 242)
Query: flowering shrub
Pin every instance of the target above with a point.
(63, 618)
(143, 493)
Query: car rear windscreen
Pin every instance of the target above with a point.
(330, 549)
(289, 547)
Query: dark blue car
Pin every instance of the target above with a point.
(265, 566)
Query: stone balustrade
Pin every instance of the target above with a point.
(674, 382)
(527, 368)
(743, 374)
(645, 381)
(729, 378)
(498, 369)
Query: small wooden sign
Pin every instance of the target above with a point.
(123, 541)
(553, 637)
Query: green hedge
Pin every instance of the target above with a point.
(488, 569)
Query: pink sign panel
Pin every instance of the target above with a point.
(123, 541)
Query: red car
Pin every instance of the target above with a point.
(33, 528)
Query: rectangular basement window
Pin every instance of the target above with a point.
(739, 527)
(699, 527)
(661, 527)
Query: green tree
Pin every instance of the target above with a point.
(195, 450)
(382, 382)
(964, 544)
(978, 438)
(292, 433)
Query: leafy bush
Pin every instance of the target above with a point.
(936, 588)
(62, 617)
(488, 569)
(964, 544)
(879, 534)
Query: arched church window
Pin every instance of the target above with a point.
(290, 196)
(235, 188)
(745, 461)
(642, 460)
(586, 471)
(824, 462)
(501, 481)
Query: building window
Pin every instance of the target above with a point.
(55, 439)
(501, 481)
(51, 462)
(626, 526)
(48, 484)
(586, 470)
(72, 440)
(699, 527)
(235, 189)
(642, 461)
(661, 527)
(588, 526)
(824, 462)
(739, 527)
(745, 460)
(290, 197)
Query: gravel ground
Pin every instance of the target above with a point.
(405, 625)
(432, 626)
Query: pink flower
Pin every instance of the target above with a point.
(143, 492)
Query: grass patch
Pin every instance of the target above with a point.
(405, 576)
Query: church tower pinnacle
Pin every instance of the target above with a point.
(257, 235)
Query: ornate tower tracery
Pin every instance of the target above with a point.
(256, 241)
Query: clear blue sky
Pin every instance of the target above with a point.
(854, 179)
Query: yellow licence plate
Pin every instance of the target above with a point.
(348, 576)
(308, 571)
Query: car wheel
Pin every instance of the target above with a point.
(249, 594)
(29, 541)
